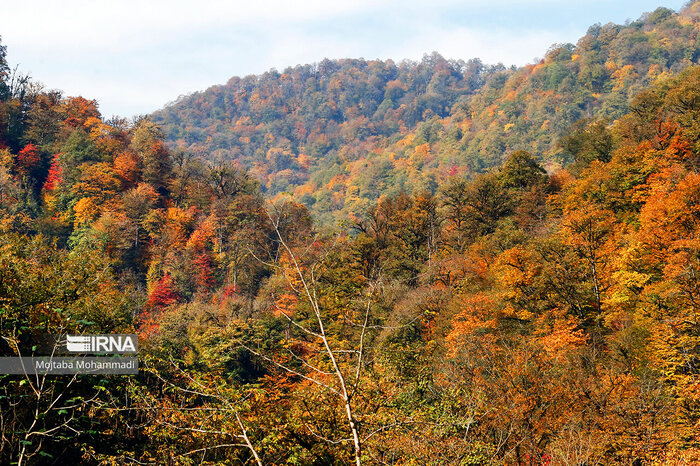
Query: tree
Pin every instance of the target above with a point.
(587, 141)
(147, 142)
(28, 159)
(137, 204)
(163, 295)
(4, 71)
(454, 199)
(48, 290)
(96, 180)
(588, 230)
(520, 171)
(77, 111)
(328, 346)
(44, 120)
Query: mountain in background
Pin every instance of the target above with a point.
(341, 133)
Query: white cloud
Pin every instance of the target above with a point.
(127, 23)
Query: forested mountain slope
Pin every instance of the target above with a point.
(341, 133)
(515, 317)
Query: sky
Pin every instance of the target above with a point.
(135, 56)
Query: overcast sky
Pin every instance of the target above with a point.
(134, 56)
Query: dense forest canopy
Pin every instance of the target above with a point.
(340, 133)
(515, 281)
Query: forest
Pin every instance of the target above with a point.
(341, 133)
(365, 262)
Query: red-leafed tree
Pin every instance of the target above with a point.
(204, 276)
(164, 294)
(27, 159)
(54, 177)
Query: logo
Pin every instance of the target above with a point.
(115, 344)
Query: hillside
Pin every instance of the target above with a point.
(516, 317)
(341, 133)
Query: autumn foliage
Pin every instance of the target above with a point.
(514, 278)
(163, 295)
